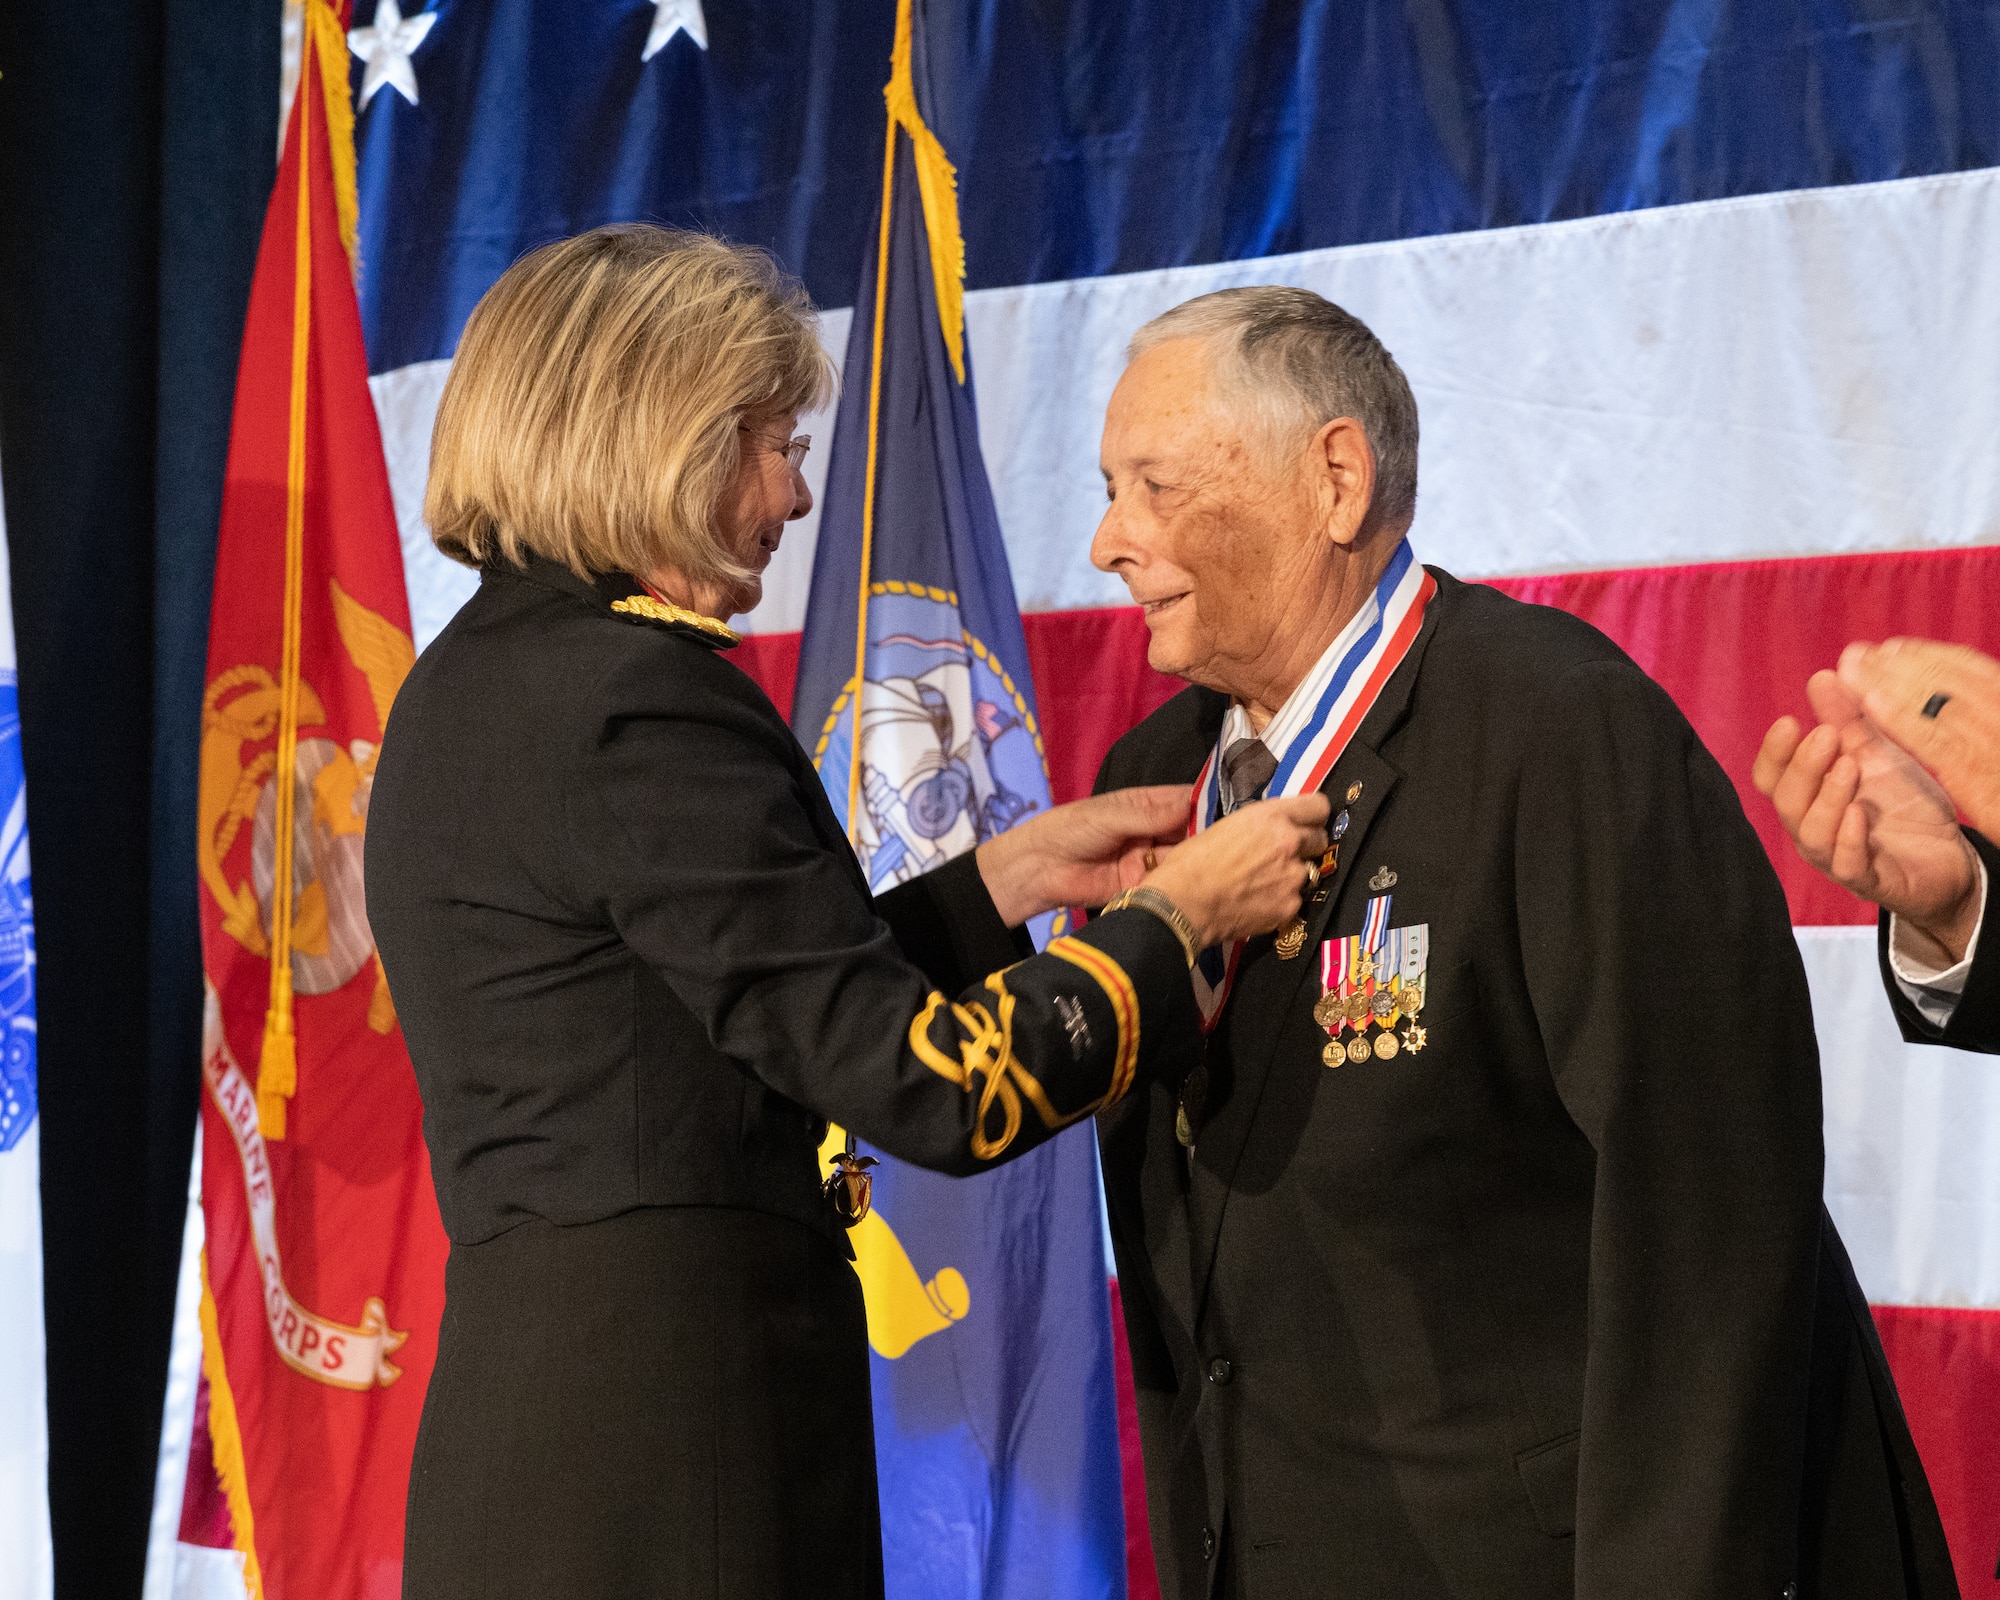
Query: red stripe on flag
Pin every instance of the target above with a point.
(1733, 643)
(1091, 683)
(1947, 1366)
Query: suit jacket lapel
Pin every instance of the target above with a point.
(1254, 1038)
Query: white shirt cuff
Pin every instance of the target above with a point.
(1934, 990)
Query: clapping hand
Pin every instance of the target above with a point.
(1864, 812)
(1940, 702)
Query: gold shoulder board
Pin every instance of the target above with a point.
(644, 605)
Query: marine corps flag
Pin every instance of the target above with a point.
(996, 1429)
(324, 1266)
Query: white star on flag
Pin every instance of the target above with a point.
(386, 48)
(669, 18)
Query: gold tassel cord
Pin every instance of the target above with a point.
(277, 1066)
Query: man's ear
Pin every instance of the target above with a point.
(1341, 464)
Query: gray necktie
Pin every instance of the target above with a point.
(1246, 767)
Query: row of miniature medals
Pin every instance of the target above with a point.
(1369, 983)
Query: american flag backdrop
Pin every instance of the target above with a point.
(1701, 305)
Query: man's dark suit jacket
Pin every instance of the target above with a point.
(1975, 1020)
(1551, 1307)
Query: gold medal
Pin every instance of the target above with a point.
(1357, 1010)
(1329, 1009)
(848, 1186)
(1291, 939)
(1386, 1046)
(1357, 1050)
(1410, 999)
(1333, 1052)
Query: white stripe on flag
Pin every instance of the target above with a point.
(1788, 374)
(1912, 1139)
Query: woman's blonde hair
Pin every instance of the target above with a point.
(591, 413)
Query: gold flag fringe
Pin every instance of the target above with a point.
(225, 1439)
(330, 48)
(937, 184)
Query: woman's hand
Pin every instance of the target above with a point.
(1245, 874)
(1083, 853)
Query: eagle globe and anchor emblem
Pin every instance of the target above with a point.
(329, 938)
(950, 756)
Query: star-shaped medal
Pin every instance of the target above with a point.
(386, 47)
(671, 17)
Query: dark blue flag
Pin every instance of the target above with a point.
(995, 1413)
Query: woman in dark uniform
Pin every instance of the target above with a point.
(638, 966)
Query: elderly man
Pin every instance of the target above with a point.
(1475, 1247)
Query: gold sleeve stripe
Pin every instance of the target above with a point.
(1124, 1000)
(928, 1053)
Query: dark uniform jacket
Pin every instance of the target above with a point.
(1549, 1306)
(1975, 1020)
(639, 969)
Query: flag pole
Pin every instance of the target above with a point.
(874, 439)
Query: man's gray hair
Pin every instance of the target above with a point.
(1305, 361)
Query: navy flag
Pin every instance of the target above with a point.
(995, 1413)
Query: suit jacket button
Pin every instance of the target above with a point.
(1208, 1544)
(1220, 1371)
(1791, 1592)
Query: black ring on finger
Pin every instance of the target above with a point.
(1934, 705)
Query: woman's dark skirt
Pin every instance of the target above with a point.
(669, 1403)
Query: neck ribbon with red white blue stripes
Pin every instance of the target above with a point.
(1387, 627)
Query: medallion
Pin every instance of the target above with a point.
(1357, 1050)
(848, 1186)
(1356, 1010)
(1333, 1052)
(1386, 1046)
(1329, 1010)
(1410, 999)
(1383, 1004)
(1413, 1037)
(1291, 939)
